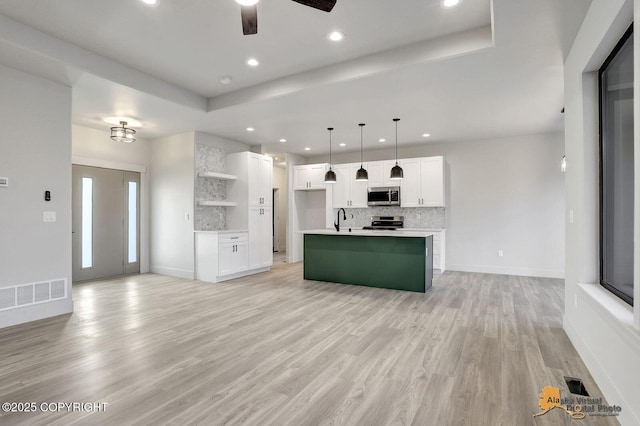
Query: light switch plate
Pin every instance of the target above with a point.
(4, 181)
(49, 216)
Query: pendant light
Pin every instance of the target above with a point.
(123, 134)
(330, 176)
(396, 171)
(361, 174)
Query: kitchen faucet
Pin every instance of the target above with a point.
(337, 224)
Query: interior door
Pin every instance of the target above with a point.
(106, 223)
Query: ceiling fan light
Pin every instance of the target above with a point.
(362, 175)
(330, 176)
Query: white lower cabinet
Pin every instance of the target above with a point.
(260, 237)
(221, 255)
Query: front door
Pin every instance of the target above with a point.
(106, 223)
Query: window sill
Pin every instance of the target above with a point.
(615, 311)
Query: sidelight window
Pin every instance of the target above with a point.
(132, 231)
(87, 222)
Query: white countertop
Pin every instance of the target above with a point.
(224, 231)
(370, 232)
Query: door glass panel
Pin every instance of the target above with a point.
(87, 222)
(132, 234)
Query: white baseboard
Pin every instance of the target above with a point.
(523, 272)
(35, 312)
(173, 272)
(599, 373)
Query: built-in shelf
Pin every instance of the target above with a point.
(214, 203)
(216, 175)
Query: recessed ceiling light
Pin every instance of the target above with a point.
(382, 140)
(343, 144)
(226, 79)
(247, 2)
(335, 36)
(149, 2)
(448, 3)
(307, 149)
(250, 129)
(425, 135)
(253, 62)
(283, 140)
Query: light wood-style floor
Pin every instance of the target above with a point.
(273, 349)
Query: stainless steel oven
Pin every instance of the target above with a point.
(384, 196)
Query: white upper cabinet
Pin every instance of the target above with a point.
(423, 183)
(309, 177)
(347, 191)
(379, 172)
(260, 179)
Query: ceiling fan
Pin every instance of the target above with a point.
(250, 12)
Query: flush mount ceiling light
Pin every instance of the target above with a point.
(382, 140)
(247, 2)
(335, 36)
(123, 133)
(446, 3)
(253, 62)
(426, 135)
(283, 140)
(226, 79)
(396, 171)
(343, 144)
(250, 129)
(307, 149)
(361, 174)
(149, 2)
(330, 176)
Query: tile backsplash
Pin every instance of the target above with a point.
(430, 217)
(209, 159)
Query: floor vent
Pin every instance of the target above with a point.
(23, 295)
(576, 386)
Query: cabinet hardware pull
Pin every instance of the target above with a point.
(234, 238)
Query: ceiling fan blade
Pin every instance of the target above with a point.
(324, 5)
(249, 19)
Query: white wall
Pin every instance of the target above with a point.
(35, 154)
(218, 142)
(504, 194)
(172, 203)
(600, 326)
(280, 182)
(91, 147)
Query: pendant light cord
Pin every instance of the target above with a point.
(396, 120)
(330, 129)
(361, 145)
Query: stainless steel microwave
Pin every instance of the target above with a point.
(384, 196)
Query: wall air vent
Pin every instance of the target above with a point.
(22, 295)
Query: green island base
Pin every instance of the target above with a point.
(398, 263)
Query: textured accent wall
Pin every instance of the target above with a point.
(420, 218)
(209, 159)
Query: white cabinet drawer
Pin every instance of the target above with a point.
(233, 238)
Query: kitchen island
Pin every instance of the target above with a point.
(399, 259)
